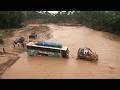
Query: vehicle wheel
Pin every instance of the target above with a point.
(35, 53)
(30, 54)
(65, 54)
(79, 54)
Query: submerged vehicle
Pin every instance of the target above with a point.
(32, 36)
(47, 48)
(87, 54)
(19, 40)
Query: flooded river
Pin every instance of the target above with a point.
(107, 46)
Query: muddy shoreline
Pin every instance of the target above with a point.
(108, 66)
(8, 60)
(12, 54)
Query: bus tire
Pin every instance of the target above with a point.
(65, 54)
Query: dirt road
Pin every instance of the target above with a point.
(106, 45)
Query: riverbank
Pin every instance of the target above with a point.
(74, 37)
(12, 54)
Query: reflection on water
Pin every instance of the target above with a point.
(108, 50)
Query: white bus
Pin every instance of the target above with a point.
(34, 50)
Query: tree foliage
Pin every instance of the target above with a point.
(100, 20)
(10, 19)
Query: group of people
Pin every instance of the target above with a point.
(18, 41)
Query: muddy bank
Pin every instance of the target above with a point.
(6, 61)
(25, 32)
(108, 66)
(12, 54)
(68, 24)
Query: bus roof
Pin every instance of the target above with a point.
(33, 44)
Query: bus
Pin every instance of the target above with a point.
(49, 49)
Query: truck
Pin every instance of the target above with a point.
(47, 48)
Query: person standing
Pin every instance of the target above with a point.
(2, 45)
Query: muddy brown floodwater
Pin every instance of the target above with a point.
(42, 67)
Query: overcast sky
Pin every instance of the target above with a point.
(54, 12)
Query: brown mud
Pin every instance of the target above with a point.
(12, 54)
(106, 45)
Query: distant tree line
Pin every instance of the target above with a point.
(99, 20)
(10, 19)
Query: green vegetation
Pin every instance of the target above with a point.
(100, 20)
(10, 19)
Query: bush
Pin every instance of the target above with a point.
(10, 19)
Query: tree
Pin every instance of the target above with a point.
(10, 19)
